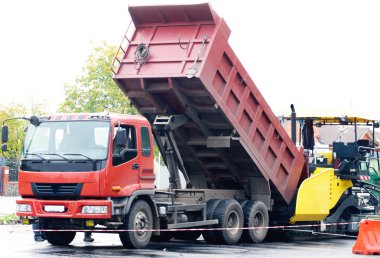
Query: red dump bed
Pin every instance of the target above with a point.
(190, 69)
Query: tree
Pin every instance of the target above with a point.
(17, 127)
(94, 90)
(16, 130)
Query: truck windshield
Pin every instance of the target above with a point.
(67, 140)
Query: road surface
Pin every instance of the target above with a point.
(17, 241)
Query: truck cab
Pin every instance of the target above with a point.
(84, 167)
(83, 149)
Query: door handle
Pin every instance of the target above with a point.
(135, 166)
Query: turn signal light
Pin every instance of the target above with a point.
(116, 188)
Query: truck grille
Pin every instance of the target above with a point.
(43, 189)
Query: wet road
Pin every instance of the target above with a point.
(17, 241)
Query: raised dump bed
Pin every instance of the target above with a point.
(178, 61)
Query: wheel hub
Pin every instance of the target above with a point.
(233, 223)
(141, 223)
(258, 221)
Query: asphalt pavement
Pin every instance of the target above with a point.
(17, 241)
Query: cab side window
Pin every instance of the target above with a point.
(128, 152)
(146, 148)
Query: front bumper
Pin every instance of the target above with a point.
(72, 209)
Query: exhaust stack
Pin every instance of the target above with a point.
(293, 117)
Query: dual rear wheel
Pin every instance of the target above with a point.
(256, 218)
(232, 217)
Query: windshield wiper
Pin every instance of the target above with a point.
(79, 154)
(34, 154)
(55, 154)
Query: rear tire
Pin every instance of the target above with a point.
(60, 238)
(140, 220)
(255, 216)
(209, 235)
(230, 215)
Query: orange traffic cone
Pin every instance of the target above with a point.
(368, 241)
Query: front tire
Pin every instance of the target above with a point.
(140, 221)
(60, 238)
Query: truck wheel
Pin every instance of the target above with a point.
(209, 235)
(140, 221)
(230, 215)
(60, 238)
(255, 215)
(187, 235)
(243, 203)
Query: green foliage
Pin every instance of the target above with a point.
(94, 90)
(9, 219)
(16, 129)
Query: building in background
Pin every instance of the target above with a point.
(325, 135)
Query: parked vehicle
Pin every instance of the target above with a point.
(209, 122)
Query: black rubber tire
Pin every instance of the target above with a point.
(209, 235)
(230, 215)
(255, 215)
(243, 202)
(60, 238)
(187, 235)
(139, 217)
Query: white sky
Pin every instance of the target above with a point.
(323, 55)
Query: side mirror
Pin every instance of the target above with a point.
(121, 138)
(4, 133)
(4, 147)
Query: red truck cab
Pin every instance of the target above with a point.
(73, 167)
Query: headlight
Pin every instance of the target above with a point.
(95, 209)
(21, 207)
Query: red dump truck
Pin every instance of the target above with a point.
(211, 124)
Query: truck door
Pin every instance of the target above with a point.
(124, 172)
